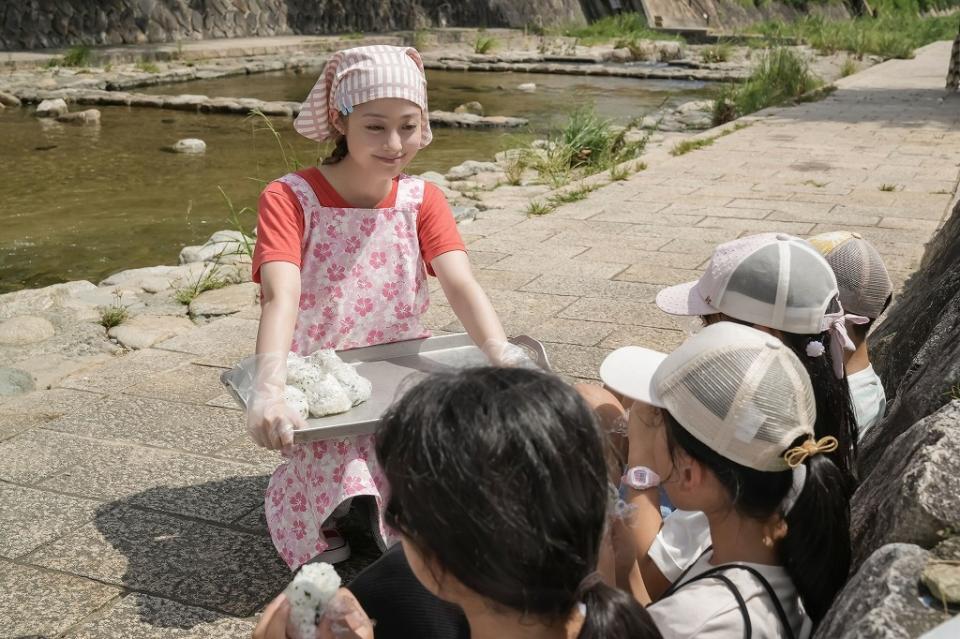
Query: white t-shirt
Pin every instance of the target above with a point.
(867, 396)
(707, 608)
(684, 536)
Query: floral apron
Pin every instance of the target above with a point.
(363, 283)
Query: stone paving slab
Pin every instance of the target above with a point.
(34, 517)
(214, 567)
(139, 616)
(38, 603)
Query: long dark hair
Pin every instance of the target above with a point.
(498, 476)
(816, 550)
(339, 151)
(835, 415)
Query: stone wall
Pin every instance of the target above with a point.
(906, 513)
(38, 24)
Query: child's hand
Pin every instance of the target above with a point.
(271, 422)
(345, 619)
(273, 621)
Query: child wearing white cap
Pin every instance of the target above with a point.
(343, 253)
(866, 290)
(782, 285)
(725, 425)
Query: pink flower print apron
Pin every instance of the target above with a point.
(363, 283)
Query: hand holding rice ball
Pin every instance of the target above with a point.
(314, 606)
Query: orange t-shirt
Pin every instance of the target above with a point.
(280, 224)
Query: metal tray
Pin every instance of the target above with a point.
(392, 368)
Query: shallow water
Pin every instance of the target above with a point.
(82, 203)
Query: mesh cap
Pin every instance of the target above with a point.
(772, 279)
(738, 390)
(862, 277)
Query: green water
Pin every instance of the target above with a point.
(82, 203)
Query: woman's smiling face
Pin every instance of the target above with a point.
(383, 136)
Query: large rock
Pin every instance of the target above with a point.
(34, 300)
(190, 146)
(8, 99)
(225, 301)
(883, 600)
(25, 329)
(473, 107)
(226, 247)
(469, 169)
(51, 108)
(916, 349)
(914, 492)
(143, 331)
(14, 381)
(89, 116)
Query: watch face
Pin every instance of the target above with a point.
(640, 477)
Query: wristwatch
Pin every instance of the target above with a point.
(640, 478)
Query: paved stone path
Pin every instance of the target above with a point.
(131, 499)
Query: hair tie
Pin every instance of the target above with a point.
(810, 447)
(836, 325)
(815, 348)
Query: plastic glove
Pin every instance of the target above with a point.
(502, 353)
(270, 420)
(345, 619)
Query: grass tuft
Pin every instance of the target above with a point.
(115, 314)
(484, 44)
(625, 26)
(686, 146)
(147, 67)
(849, 67)
(888, 187)
(720, 52)
(537, 207)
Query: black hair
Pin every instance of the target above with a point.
(498, 476)
(816, 550)
(339, 151)
(859, 332)
(835, 415)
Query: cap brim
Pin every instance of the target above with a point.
(684, 299)
(629, 371)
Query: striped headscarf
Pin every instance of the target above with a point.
(354, 76)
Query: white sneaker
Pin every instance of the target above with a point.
(337, 548)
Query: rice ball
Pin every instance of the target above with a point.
(358, 388)
(326, 396)
(309, 593)
(297, 400)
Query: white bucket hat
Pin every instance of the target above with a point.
(354, 76)
(771, 279)
(734, 388)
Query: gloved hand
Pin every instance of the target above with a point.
(270, 420)
(503, 353)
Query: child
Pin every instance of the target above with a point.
(499, 489)
(732, 436)
(779, 284)
(342, 255)
(866, 290)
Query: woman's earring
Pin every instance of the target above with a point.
(767, 541)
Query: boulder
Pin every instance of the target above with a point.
(14, 381)
(883, 599)
(190, 145)
(225, 301)
(434, 177)
(469, 169)
(473, 107)
(51, 108)
(29, 301)
(223, 246)
(527, 87)
(914, 492)
(8, 99)
(916, 348)
(89, 116)
(667, 51)
(942, 579)
(143, 331)
(465, 213)
(25, 329)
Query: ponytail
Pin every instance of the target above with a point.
(816, 551)
(339, 151)
(835, 416)
(614, 613)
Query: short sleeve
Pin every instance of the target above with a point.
(280, 227)
(436, 228)
(682, 539)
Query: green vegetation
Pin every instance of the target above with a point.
(849, 67)
(894, 34)
(888, 187)
(420, 39)
(147, 67)
(115, 314)
(514, 170)
(684, 147)
(537, 207)
(208, 279)
(79, 56)
(484, 44)
(781, 75)
(624, 27)
(622, 171)
(720, 52)
(574, 195)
